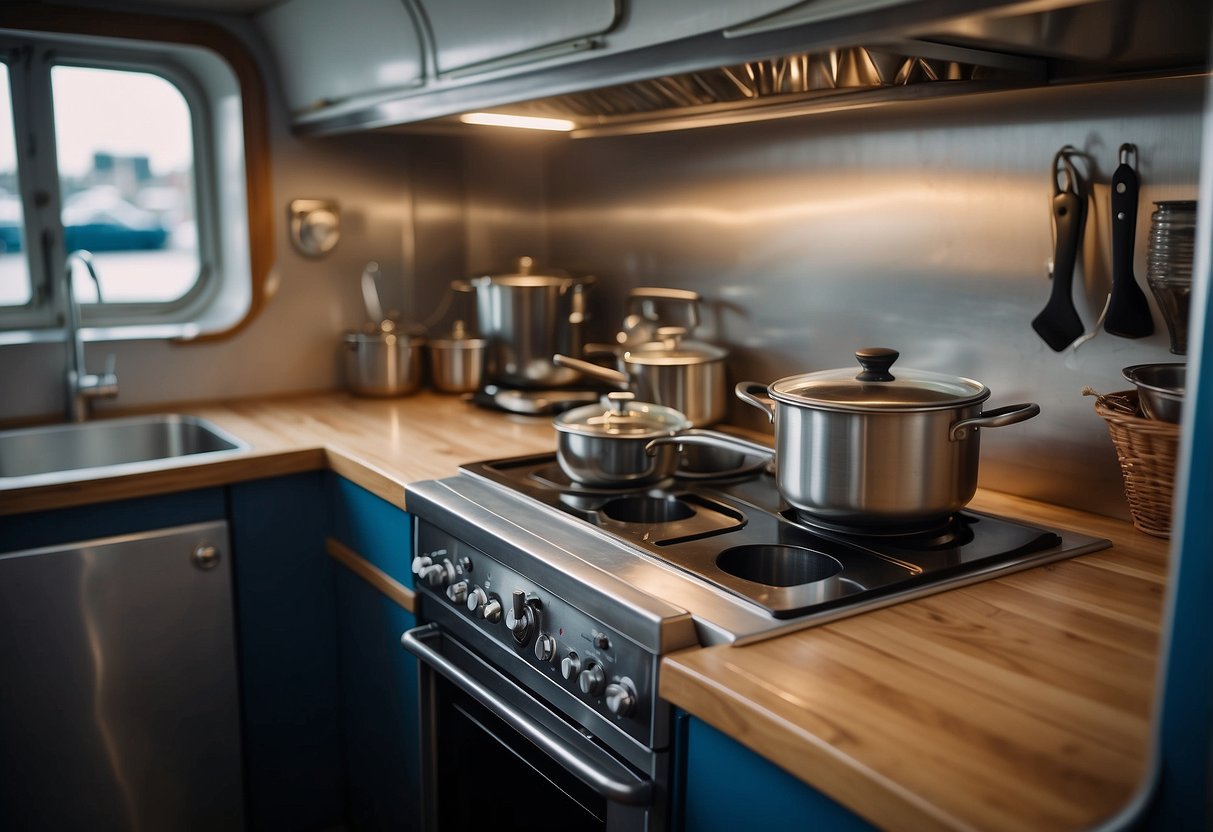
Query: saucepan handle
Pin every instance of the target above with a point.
(754, 393)
(999, 417)
(711, 438)
(594, 370)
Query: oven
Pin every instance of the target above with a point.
(546, 608)
(538, 678)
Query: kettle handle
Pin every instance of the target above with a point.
(997, 418)
(755, 393)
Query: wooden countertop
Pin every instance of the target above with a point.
(1018, 703)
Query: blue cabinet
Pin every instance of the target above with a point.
(379, 688)
(724, 786)
(287, 616)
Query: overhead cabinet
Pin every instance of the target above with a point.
(341, 56)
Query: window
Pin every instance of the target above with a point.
(136, 150)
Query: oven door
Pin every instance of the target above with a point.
(498, 757)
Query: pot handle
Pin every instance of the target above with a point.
(755, 393)
(594, 370)
(462, 286)
(711, 438)
(997, 418)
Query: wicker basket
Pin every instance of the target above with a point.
(1146, 449)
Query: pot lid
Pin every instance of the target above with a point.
(526, 276)
(619, 414)
(458, 339)
(387, 331)
(877, 388)
(670, 349)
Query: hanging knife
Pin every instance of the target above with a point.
(1128, 311)
(1059, 324)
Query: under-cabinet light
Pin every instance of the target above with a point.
(525, 122)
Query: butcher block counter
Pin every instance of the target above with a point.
(1018, 703)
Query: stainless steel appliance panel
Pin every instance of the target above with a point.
(118, 706)
(925, 225)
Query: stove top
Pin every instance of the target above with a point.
(738, 536)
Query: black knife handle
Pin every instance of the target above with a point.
(1128, 310)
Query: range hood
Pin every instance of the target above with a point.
(865, 53)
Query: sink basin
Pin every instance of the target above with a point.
(58, 453)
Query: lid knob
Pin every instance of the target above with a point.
(618, 400)
(876, 362)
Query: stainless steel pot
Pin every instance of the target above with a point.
(874, 450)
(382, 361)
(603, 445)
(457, 361)
(526, 318)
(684, 375)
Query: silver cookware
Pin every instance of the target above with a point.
(685, 375)
(875, 450)
(383, 361)
(526, 318)
(457, 361)
(603, 445)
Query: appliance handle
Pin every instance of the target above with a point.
(606, 784)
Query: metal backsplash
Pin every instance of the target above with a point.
(924, 228)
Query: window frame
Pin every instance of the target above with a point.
(231, 297)
(36, 126)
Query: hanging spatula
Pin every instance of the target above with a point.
(1059, 324)
(1128, 311)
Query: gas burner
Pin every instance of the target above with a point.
(552, 476)
(934, 534)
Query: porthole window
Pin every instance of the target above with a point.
(135, 151)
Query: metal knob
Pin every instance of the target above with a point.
(458, 592)
(492, 611)
(436, 574)
(592, 680)
(205, 556)
(621, 697)
(570, 666)
(545, 647)
(419, 563)
(476, 600)
(521, 618)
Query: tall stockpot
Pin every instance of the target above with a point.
(526, 318)
(874, 450)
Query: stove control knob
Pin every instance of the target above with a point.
(458, 592)
(591, 680)
(621, 697)
(492, 610)
(522, 617)
(545, 647)
(436, 574)
(481, 605)
(570, 666)
(419, 563)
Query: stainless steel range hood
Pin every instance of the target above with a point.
(825, 55)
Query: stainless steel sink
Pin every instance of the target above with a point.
(58, 453)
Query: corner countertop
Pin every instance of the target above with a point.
(1022, 702)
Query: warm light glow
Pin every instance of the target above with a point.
(525, 122)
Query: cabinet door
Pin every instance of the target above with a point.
(329, 53)
(379, 532)
(380, 717)
(486, 35)
(727, 787)
(118, 705)
(288, 653)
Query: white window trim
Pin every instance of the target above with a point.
(222, 297)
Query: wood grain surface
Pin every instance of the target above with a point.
(1021, 703)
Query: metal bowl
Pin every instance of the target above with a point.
(1160, 388)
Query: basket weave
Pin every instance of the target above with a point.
(1146, 449)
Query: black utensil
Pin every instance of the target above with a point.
(1128, 311)
(1059, 324)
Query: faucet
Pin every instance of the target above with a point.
(83, 387)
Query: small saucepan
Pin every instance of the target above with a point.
(603, 445)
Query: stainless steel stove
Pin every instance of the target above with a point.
(563, 600)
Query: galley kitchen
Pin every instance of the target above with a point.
(605, 415)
